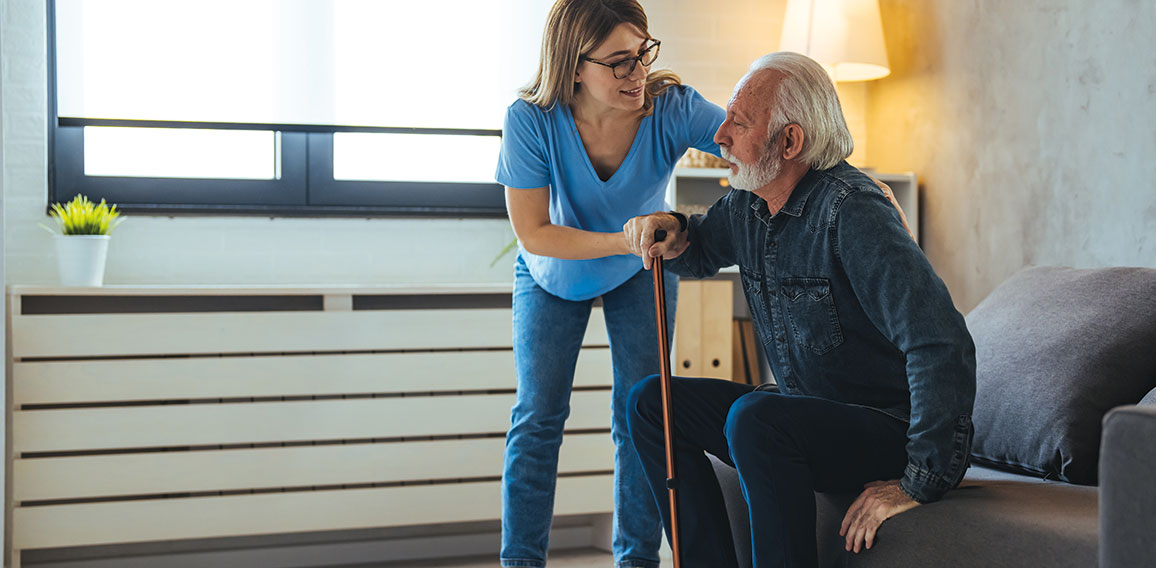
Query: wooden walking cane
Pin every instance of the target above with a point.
(667, 407)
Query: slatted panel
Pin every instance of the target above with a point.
(226, 470)
(206, 424)
(139, 357)
(73, 335)
(205, 517)
(60, 382)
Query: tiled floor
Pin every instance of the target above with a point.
(582, 558)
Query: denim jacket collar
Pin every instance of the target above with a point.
(796, 202)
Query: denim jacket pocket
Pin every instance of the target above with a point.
(811, 311)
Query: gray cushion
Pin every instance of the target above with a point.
(1149, 399)
(1056, 348)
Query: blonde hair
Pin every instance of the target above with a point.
(574, 28)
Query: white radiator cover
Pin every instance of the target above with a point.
(274, 410)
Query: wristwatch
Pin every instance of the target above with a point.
(682, 222)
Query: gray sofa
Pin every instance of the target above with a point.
(1064, 459)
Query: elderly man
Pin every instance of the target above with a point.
(875, 368)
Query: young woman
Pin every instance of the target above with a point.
(591, 143)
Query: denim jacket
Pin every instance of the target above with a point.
(848, 309)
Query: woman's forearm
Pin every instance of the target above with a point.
(558, 241)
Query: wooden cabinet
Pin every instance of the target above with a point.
(704, 329)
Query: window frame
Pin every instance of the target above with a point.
(304, 186)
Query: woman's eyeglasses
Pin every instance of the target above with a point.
(623, 68)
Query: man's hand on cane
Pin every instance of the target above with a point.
(639, 234)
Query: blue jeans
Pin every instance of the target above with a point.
(784, 447)
(548, 333)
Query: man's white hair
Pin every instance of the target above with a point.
(806, 96)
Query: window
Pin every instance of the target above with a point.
(180, 153)
(306, 107)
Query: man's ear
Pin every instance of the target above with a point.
(793, 141)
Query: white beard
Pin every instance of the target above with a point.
(750, 177)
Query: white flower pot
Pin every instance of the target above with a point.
(80, 259)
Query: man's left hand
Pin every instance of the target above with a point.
(880, 501)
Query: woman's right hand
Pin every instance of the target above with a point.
(529, 211)
(639, 235)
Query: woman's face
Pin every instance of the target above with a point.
(598, 82)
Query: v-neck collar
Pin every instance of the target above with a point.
(586, 156)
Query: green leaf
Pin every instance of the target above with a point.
(506, 249)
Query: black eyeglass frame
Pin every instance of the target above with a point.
(634, 61)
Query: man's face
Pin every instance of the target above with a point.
(745, 138)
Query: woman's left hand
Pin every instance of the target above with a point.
(891, 197)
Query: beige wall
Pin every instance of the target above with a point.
(1032, 126)
(710, 44)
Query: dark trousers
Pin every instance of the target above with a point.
(784, 447)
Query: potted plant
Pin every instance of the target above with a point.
(82, 241)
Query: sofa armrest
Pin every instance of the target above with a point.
(1127, 494)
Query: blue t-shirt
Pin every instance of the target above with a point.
(543, 148)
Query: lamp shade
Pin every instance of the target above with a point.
(844, 36)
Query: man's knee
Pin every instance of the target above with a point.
(739, 427)
(757, 421)
(644, 400)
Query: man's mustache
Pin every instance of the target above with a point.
(729, 157)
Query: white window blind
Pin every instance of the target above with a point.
(363, 63)
(180, 153)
